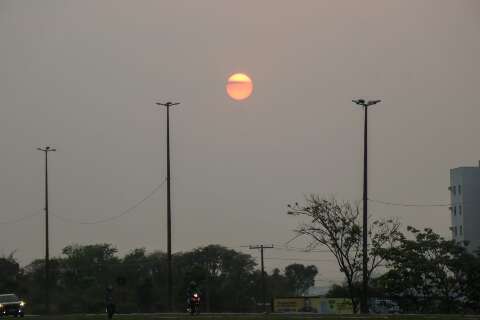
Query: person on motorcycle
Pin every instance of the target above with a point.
(109, 303)
(191, 290)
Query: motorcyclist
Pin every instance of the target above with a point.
(191, 289)
(109, 303)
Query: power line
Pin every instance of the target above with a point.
(280, 247)
(302, 260)
(294, 238)
(123, 213)
(296, 249)
(21, 219)
(398, 204)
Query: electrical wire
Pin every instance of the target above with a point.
(296, 249)
(297, 259)
(397, 204)
(121, 214)
(281, 247)
(292, 239)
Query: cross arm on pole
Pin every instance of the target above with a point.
(167, 104)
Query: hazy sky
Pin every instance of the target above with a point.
(83, 76)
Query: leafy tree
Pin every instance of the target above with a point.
(300, 278)
(136, 279)
(11, 272)
(32, 284)
(337, 226)
(221, 273)
(277, 284)
(427, 273)
(88, 270)
(471, 265)
(228, 280)
(341, 290)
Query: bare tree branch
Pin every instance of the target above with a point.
(336, 225)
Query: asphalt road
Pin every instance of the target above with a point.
(251, 316)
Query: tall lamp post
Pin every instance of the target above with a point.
(364, 300)
(168, 105)
(47, 149)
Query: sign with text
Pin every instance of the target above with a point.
(313, 305)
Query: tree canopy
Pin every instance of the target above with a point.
(336, 225)
(228, 280)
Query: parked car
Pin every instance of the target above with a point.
(11, 305)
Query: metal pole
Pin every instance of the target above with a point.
(47, 149)
(263, 280)
(169, 218)
(364, 302)
(364, 298)
(167, 105)
(47, 240)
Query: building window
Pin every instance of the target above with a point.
(454, 211)
(460, 210)
(461, 230)
(455, 231)
(459, 189)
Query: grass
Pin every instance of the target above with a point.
(256, 317)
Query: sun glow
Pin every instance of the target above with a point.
(239, 86)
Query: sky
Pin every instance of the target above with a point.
(84, 76)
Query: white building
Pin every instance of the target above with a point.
(465, 205)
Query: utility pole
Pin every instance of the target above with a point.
(364, 300)
(168, 105)
(264, 288)
(47, 149)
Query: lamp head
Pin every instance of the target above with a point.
(363, 103)
(372, 102)
(167, 104)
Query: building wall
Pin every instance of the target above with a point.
(465, 205)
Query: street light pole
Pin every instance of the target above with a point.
(47, 149)
(364, 300)
(167, 105)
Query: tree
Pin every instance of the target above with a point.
(33, 284)
(471, 265)
(300, 278)
(277, 284)
(10, 271)
(341, 291)
(228, 280)
(428, 273)
(87, 271)
(135, 279)
(223, 274)
(337, 226)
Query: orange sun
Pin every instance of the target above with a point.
(239, 86)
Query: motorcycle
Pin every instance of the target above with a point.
(193, 306)
(110, 309)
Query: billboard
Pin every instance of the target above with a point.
(313, 305)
